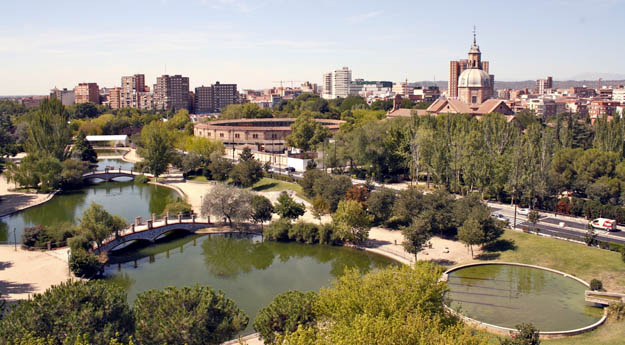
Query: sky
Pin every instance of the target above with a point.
(257, 43)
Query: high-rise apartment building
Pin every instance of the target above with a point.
(211, 99)
(341, 83)
(544, 84)
(131, 87)
(326, 92)
(87, 92)
(115, 98)
(171, 92)
(66, 96)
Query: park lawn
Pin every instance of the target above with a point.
(198, 178)
(572, 258)
(267, 184)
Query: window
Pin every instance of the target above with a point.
(254, 136)
(473, 99)
(236, 135)
(273, 136)
(221, 135)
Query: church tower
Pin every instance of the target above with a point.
(475, 55)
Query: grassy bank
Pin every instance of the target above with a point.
(267, 184)
(572, 258)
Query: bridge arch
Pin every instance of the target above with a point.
(171, 231)
(124, 242)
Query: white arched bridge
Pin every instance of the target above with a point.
(110, 174)
(152, 229)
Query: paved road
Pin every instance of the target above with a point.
(551, 226)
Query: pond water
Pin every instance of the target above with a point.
(125, 199)
(507, 295)
(114, 164)
(248, 270)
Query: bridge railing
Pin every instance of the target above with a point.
(149, 224)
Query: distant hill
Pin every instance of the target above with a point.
(530, 84)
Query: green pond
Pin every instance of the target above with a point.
(126, 199)
(508, 295)
(249, 271)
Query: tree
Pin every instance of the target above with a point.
(380, 204)
(471, 233)
(358, 193)
(197, 315)
(527, 335)
(320, 207)
(533, 218)
(228, 202)
(352, 221)
(416, 235)
(157, 147)
(97, 224)
(83, 150)
(287, 312)
(96, 310)
(262, 209)
(219, 167)
(288, 208)
(48, 131)
(306, 133)
(84, 264)
(71, 173)
(402, 306)
(246, 172)
(204, 147)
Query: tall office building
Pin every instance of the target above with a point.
(544, 84)
(341, 82)
(87, 92)
(211, 99)
(131, 87)
(171, 92)
(457, 67)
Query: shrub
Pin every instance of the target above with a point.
(623, 254)
(35, 236)
(277, 231)
(78, 242)
(304, 232)
(285, 313)
(96, 310)
(84, 264)
(527, 335)
(197, 315)
(596, 285)
(327, 234)
(176, 207)
(140, 179)
(617, 310)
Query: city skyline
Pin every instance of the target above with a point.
(253, 44)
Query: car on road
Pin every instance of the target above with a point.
(290, 169)
(523, 211)
(498, 216)
(604, 224)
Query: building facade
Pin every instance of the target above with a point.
(131, 87)
(87, 92)
(67, 97)
(326, 92)
(544, 84)
(341, 83)
(211, 99)
(171, 92)
(115, 98)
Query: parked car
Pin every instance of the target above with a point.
(604, 224)
(523, 211)
(290, 169)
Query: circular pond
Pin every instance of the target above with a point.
(506, 295)
(249, 271)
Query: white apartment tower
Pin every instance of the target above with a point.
(327, 86)
(341, 82)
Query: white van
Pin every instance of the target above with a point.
(604, 224)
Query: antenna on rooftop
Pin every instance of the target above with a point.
(474, 36)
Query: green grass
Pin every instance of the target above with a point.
(572, 258)
(267, 184)
(610, 333)
(198, 179)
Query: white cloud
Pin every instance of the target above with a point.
(364, 16)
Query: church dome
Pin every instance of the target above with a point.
(474, 77)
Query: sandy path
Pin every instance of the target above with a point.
(14, 201)
(25, 272)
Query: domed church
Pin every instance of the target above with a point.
(474, 84)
